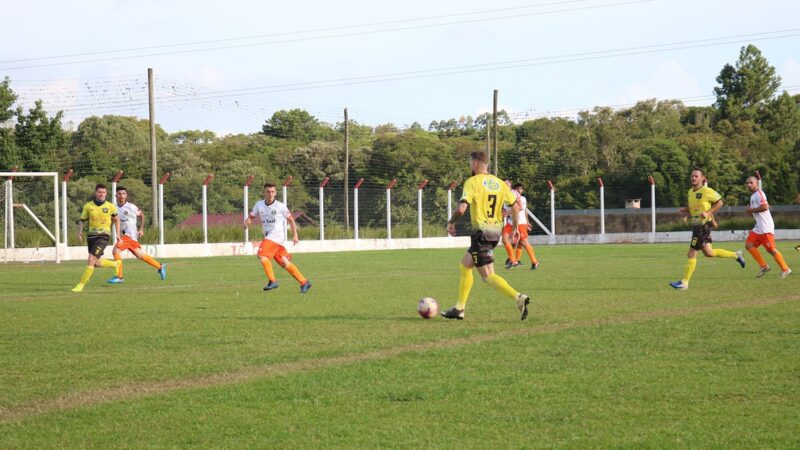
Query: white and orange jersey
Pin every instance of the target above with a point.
(764, 223)
(272, 219)
(507, 209)
(128, 215)
(523, 210)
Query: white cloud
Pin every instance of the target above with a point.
(670, 81)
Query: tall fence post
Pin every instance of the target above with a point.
(64, 219)
(246, 204)
(758, 175)
(419, 207)
(322, 208)
(10, 234)
(389, 208)
(602, 209)
(652, 208)
(355, 206)
(161, 207)
(114, 199)
(552, 211)
(450, 202)
(286, 183)
(205, 207)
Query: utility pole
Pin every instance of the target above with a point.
(153, 160)
(346, 172)
(494, 127)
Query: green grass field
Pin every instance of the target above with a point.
(610, 356)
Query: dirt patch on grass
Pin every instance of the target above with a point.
(248, 374)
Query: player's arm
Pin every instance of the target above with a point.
(115, 219)
(714, 208)
(84, 218)
(140, 230)
(515, 221)
(293, 226)
(760, 208)
(248, 220)
(461, 209)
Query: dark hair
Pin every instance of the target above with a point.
(702, 172)
(269, 184)
(479, 156)
(121, 188)
(517, 186)
(100, 186)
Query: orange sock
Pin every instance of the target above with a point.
(512, 255)
(519, 253)
(118, 257)
(268, 269)
(779, 259)
(757, 256)
(149, 260)
(531, 254)
(295, 272)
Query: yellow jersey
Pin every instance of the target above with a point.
(486, 194)
(99, 217)
(701, 201)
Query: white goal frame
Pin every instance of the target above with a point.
(10, 252)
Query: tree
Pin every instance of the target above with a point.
(746, 87)
(297, 125)
(8, 151)
(104, 145)
(41, 142)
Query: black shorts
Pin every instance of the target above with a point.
(97, 244)
(482, 247)
(701, 236)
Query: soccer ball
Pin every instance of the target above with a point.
(428, 308)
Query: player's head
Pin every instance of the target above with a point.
(698, 177)
(122, 195)
(518, 187)
(478, 162)
(752, 183)
(508, 182)
(270, 192)
(100, 192)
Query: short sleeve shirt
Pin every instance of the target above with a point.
(701, 201)
(486, 194)
(764, 222)
(128, 215)
(273, 218)
(99, 217)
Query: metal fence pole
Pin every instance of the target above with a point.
(389, 208)
(602, 208)
(161, 208)
(552, 210)
(419, 207)
(246, 203)
(205, 207)
(652, 208)
(64, 220)
(355, 207)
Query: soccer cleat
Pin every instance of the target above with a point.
(78, 288)
(115, 280)
(271, 285)
(534, 266)
(739, 258)
(305, 287)
(679, 285)
(512, 264)
(763, 271)
(453, 313)
(797, 247)
(522, 303)
(786, 273)
(162, 272)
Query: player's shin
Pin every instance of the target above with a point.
(464, 286)
(295, 272)
(689, 270)
(499, 284)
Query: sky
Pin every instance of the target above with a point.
(228, 66)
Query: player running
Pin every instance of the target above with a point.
(524, 227)
(703, 203)
(272, 214)
(484, 195)
(99, 214)
(128, 216)
(763, 232)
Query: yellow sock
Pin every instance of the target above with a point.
(106, 263)
(499, 284)
(464, 286)
(295, 272)
(779, 259)
(118, 257)
(268, 269)
(687, 274)
(87, 273)
(720, 253)
(149, 260)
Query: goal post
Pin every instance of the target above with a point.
(31, 216)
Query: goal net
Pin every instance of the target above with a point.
(30, 208)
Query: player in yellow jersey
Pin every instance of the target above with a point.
(99, 214)
(703, 203)
(485, 196)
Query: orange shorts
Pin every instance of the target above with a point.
(126, 243)
(523, 230)
(270, 249)
(766, 239)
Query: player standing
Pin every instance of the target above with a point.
(484, 195)
(128, 215)
(272, 214)
(524, 227)
(508, 231)
(99, 214)
(763, 232)
(703, 203)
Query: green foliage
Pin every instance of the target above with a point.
(40, 140)
(296, 125)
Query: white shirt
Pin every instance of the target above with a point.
(523, 215)
(272, 219)
(128, 214)
(764, 223)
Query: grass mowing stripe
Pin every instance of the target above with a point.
(136, 390)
